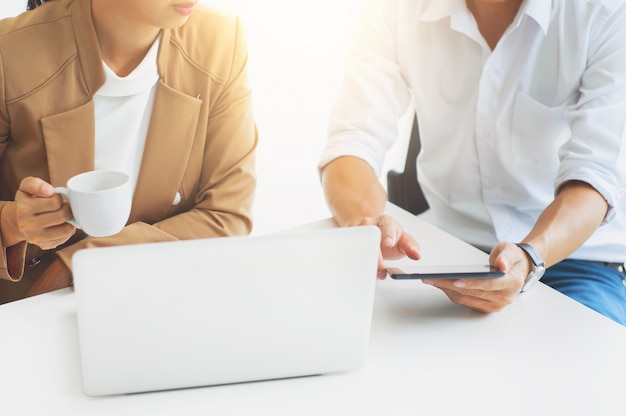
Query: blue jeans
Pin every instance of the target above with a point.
(597, 286)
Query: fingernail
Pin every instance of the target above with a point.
(47, 189)
(459, 283)
(388, 242)
(428, 282)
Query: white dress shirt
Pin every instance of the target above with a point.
(123, 107)
(503, 129)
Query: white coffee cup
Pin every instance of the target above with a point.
(100, 201)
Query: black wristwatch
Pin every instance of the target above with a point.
(539, 266)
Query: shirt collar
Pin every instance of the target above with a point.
(141, 79)
(440, 9)
(538, 10)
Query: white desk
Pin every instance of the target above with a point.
(544, 355)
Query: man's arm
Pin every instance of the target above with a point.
(576, 212)
(562, 228)
(356, 197)
(352, 190)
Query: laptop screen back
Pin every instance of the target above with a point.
(224, 310)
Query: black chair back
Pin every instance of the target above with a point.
(403, 188)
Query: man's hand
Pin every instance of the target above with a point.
(356, 197)
(395, 243)
(490, 295)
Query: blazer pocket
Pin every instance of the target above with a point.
(537, 133)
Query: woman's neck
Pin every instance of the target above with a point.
(123, 41)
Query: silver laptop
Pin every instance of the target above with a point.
(225, 310)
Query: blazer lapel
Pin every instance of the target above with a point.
(69, 140)
(168, 145)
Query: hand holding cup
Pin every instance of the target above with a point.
(100, 201)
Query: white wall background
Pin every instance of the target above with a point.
(297, 53)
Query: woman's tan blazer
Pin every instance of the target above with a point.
(200, 143)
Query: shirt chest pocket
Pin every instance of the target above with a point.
(537, 132)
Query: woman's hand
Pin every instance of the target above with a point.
(40, 215)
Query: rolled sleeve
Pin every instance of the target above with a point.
(596, 152)
(374, 95)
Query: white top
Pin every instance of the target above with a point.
(123, 107)
(502, 129)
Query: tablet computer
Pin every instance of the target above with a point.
(465, 271)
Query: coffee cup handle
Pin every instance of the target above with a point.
(63, 191)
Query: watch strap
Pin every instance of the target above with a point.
(532, 254)
(530, 281)
(538, 263)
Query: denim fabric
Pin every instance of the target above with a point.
(599, 287)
